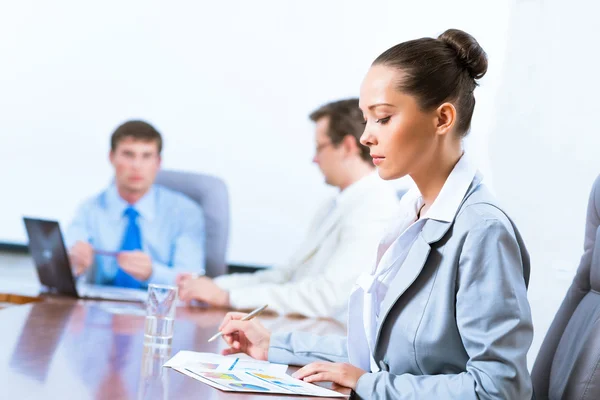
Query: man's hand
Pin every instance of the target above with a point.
(81, 256)
(184, 276)
(202, 289)
(136, 263)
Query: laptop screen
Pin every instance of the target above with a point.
(47, 248)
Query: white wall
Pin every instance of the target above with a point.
(229, 84)
(544, 144)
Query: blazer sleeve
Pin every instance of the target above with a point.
(301, 348)
(494, 321)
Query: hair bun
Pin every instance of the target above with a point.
(468, 51)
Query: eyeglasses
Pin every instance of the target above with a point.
(322, 146)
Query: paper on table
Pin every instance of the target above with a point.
(216, 362)
(256, 382)
(241, 373)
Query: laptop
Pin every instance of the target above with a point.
(53, 266)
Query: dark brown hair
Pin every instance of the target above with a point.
(345, 119)
(440, 70)
(139, 130)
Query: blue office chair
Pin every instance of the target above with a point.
(567, 365)
(212, 195)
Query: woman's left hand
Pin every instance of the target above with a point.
(342, 374)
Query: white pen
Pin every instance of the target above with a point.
(246, 318)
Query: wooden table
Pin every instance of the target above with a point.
(62, 348)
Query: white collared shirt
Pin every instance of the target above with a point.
(371, 288)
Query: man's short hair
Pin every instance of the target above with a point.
(138, 130)
(345, 118)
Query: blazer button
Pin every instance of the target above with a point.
(383, 366)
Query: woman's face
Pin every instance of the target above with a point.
(402, 138)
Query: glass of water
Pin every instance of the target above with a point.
(160, 315)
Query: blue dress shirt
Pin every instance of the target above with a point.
(172, 230)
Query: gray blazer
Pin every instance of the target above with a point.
(455, 323)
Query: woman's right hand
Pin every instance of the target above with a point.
(249, 337)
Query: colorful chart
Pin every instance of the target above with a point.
(248, 387)
(206, 365)
(275, 380)
(218, 375)
(265, 376)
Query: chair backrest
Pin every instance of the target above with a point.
(211, 193)
(567, 366)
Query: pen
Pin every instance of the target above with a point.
(246, 318)
(106, 253)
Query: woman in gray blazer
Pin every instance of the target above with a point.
(443, 312)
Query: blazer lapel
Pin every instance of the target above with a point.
(412, 266)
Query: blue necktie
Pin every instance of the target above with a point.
(132, 240)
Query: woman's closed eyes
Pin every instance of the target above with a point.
(381, 121)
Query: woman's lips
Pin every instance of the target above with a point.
(377, 160)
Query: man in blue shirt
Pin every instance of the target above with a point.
(136, 232)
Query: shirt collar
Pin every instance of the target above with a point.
(446, 204)
(146, 206)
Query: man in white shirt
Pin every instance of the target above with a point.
(341, 242)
